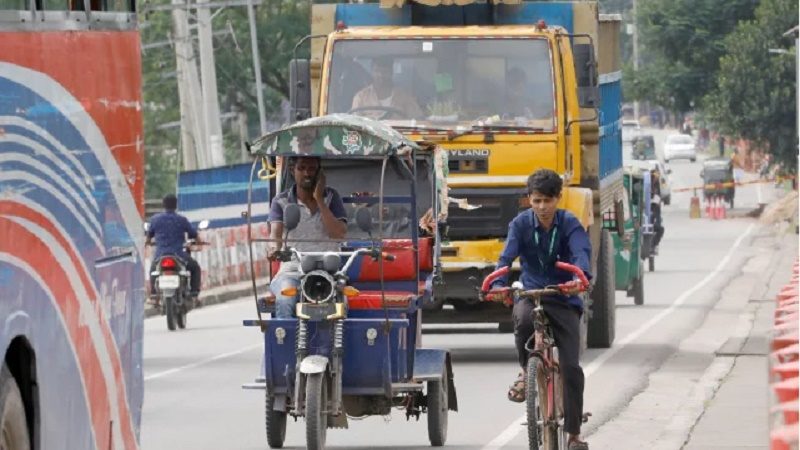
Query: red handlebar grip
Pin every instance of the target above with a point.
(487, 282)
(575, 270)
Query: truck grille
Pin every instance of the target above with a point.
(498, 206)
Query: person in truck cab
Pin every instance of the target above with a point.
(539, 237)
(390, 102)
(170, 230)
(522, 101)
(322, 216)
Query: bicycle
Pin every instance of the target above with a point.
(545, 419)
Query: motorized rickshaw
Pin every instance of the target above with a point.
(644, 147)
(718, 181)
(633, 242)
(353, 349)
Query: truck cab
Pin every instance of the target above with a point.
(504, 88)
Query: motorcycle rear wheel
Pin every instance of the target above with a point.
(169, 307)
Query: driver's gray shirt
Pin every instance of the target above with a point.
(310, 225)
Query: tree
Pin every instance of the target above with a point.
(755, 93)
(280, 24)
(682, 41)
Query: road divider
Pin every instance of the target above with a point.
(784, 367)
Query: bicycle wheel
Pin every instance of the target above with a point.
(533, 409)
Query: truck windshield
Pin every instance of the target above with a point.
(445, 83)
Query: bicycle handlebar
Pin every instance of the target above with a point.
(503, 271)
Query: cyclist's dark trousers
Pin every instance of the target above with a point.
(191, 266)
(565, 323)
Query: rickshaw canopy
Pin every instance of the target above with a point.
(335, 135)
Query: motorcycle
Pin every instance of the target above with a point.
(173, 281)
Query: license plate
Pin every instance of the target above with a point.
(169, 282)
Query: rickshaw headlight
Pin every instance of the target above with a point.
(318, 286)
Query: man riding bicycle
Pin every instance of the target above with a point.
(540, 237)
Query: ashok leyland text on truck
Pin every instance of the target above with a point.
(506, 87)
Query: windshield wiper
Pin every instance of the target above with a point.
(419, 128)
(492, 128)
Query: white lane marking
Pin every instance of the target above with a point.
(758, 193)
(201, 362)
(516, 426)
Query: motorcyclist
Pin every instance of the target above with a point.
(170, 230)
(541, 236)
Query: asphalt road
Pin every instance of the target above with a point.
(193, 398)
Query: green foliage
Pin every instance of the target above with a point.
(755, 95)
(280, 24)
(682, 41)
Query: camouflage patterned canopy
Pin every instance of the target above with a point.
(334, 135)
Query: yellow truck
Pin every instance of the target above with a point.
(506, 86)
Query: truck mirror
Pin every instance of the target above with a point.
(299, 89)
(586, 74)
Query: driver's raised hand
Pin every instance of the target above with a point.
(319, 189)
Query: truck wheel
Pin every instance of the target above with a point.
(14, 432)
(316, 411)
(275, 424)
(651, 263)
(602, 323)
(169, 307)
(437, 410)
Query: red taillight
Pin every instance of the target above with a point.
(168, 263)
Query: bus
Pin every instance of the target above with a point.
(71, 236)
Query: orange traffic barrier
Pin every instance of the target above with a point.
(787, 370)
(784, 438)
(789, 410)
(784, 366)
(786, 354)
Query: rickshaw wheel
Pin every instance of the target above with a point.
(638, 289)
(275, 424)
(437, 410)
(316, 416)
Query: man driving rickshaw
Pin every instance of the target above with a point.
(345, 341)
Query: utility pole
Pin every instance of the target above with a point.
(208, 73)
(262, 118)
(635, 56)
(193, 141)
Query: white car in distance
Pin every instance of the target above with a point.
(680, 146)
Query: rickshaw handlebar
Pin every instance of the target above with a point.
(351, 256)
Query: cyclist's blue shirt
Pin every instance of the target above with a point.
(170, 230)
(566, 241)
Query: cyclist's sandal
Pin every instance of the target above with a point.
(578, 445)
(516, 392)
